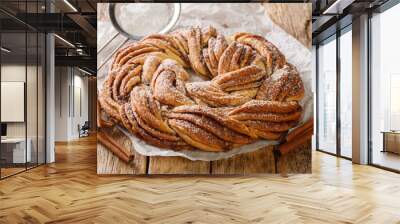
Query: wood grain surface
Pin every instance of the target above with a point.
(177, 165)
(298, 24)
(260, 161)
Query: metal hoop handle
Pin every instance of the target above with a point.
(168, 27)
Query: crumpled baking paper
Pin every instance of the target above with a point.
(229, 19)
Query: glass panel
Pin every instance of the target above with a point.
(346, 94)
(13, 79)
(385, 114)
(41, 99)
(327, 97)
(23, 89)
(32, 88)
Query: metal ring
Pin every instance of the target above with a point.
(168, 27)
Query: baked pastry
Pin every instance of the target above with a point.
(208, 93)
(249, 91)
(284, 84)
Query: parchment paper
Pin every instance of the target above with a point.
(229, 19)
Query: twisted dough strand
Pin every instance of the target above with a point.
(168, 84)
(207, 93)
(284, 84)
(274, 58)
(213, 127)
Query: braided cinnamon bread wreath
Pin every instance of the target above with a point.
(249, 92)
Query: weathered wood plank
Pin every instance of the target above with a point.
(298, 24)
(260, 161)
(298, 161)
(177, 165)
(108, 163)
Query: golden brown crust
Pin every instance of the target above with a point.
(126, 78)
(252, 93)
(131, 52)
(154, 132)
(213, 96)
(141, 133)
(150, 65)
(206, 34)
(219, 116)
(207, 60)
(274, 58)
(166, 44)
(124, 118)
(242, 76)
(268, 134)
(109, 105)
(213, 53)
(195, 52)
(212, 126)
(180, 37)
(225, 60)
(270, 126)
(198, 137)
(168, 84)
(167, 90)
(247, 86)
(284, 84)
(273, 117)
(257, 106)
(249, 93)
(140, 101)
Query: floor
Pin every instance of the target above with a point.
(387, 159)
(69, 191)
(10, 171)
(13, 170)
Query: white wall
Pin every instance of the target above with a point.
(69, 82)
(14, 73)
(61, 104)
(79, 117)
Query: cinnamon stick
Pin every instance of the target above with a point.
(98, 114)
(283, 165)
(295, 142)
(106, 124)
(114, 147)
(300, 130)
(292, 137)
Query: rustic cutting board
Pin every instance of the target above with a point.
(259, 162)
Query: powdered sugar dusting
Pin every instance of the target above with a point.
(142, 19)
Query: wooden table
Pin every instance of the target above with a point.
(260, 161)
(298, 24)
(391, 141)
